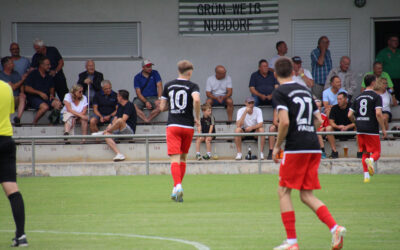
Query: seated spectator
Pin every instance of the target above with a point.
(388, 100)
(207, 126)
(148, 87)
(39, 89)
(346, 77)
(262, 84)
(104, 106)
(338, 121)
(379, 73)
(74, 110)
(301, 76)
(249, 120)
(322, 128)
(91, 78)
(10, 76)
(124, 123)
(330, 95)
(271, 139)
(219, 91)
(281, 49)
(21, 64)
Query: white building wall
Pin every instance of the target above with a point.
(162, 44)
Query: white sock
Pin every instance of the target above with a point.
(178, 186)
(197, 153)
(174, 190)
(209, 154)
(334, 229)
(366, 175)
(291, 241)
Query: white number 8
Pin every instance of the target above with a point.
(363, 107)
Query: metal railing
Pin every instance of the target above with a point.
(34, 139)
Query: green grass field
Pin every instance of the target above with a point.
(219, 211)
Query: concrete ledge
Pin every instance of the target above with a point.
(338, 166)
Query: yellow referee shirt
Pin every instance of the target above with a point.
(6, 109)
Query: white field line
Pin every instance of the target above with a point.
(197, 245)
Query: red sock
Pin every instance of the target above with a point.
(183, 170)
(176, 173)
(325, 216)
(365, 156)
(289, 220)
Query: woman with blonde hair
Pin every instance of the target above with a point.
(75, 109)
(388, 100)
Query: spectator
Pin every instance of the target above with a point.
(346, 77)
(379, 73)
(282, 49)
(338, 121)
(271, 139)
(262, 84)
(56, 66)
(21, 64)
(321, 65)
(207, 126)
(91, 78)
(301, 76)
(330, 95)
(390, 59)
(39, 87)
(104, 106)
(322, 128)
(10, 76)
(148, 87)
(219, 90)
(388, 100)
(75, 109)
(124, 123)
(249, 120)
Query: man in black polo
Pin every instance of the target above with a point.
(104, 106)
(57, 64)
(262, 84)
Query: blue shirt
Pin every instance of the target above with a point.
(13, 78)
(151, 88)
(36, 81)
(21, 65)
(105, 103)
(264, 85)
(330, 97)
(320, 73)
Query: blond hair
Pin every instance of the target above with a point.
(184, 66)
(75, 88)
(380, 84)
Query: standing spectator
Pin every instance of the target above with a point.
(330, 95)
(249, 120)
(301, 76)
(377, 71)
(75, 109)
(282, 49)
(388, 100)
(148, 87)
(219, 90)
(104, 106)
(262, 84)
(21, 64)
(207, 126)
(346, 77)
(390, 58)
(321, 65)
(56, 66)
(92, 79)
(8, 166)
(184, 99)
(124, 123)
(12, 77)
(39, 87)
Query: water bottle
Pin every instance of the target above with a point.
(248, 157)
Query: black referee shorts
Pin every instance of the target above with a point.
(8, 169)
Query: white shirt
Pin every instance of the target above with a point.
(300, 80)
(251, 119)
(218, 87)
(272, 61)
(386, 101)
(77, 108)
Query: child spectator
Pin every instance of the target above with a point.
(322, 128)
(207, 127)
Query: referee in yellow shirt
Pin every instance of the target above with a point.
(8, 170)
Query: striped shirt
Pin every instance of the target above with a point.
(320, 73)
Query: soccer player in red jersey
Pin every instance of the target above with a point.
(366, 112)
(299, 119)
(184, 97)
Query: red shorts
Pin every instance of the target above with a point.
(369, 143)
(179, 140)
(300, 171)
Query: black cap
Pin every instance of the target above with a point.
(296, 59)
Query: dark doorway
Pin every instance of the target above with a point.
(384, 29)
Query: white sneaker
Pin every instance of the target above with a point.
(98, 133)
(286, 246)
(370, 164)
(262, 156)
(238, 156)
(119, 157)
